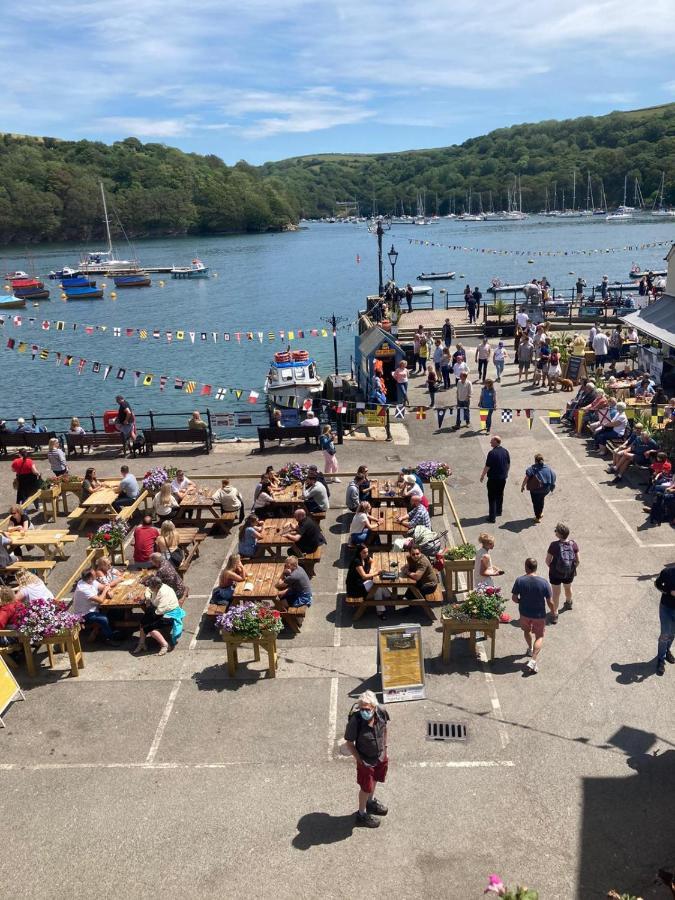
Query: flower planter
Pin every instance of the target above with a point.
(437, 496)
(49, 496)
(452, 568)
(267, 640)
(453, 626)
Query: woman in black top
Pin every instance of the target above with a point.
(360, 571)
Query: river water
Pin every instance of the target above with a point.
(275, 282)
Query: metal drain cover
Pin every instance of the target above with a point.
(446, 731)
(393, 458)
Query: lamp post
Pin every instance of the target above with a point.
(378, 228)
(393, 256)
(334, 321)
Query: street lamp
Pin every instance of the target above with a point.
(379, 227)
(393, 256)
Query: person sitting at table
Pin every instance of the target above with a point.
(196, 421)
(10, 608)
(418, 567)
(166, 572)
(314, 472)
(272, 477)
(660, 473)
(408, 471)
(411, 489)
(231, 574)
(90, 484)
(353, 495)
(144, 539)
(88, 593)
(645, 388)
(18, 523)
(164, 503)
(127, 490)
(294, 587)
(365, 490)
(230, 499)
(181, 485)
(6, 554)
(315, 496)
(360, 575)
(105, 573)
(263, 505)
(361, 526)
(306, 535)
(168, 544)
(638, 449)
(249, 535)
(163, 617)
(418, 515)
(584, 396)
(31, 587)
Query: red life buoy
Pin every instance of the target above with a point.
(109, 417)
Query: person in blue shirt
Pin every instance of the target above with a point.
(127, 490)
(539, 480)
(533, 594)
(639, 449)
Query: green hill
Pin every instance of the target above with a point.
(639, 143)
(49, 187)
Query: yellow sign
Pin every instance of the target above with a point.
(384, 351)
(401, 662)
(8, 689)
(373, 417)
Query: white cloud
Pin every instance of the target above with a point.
(137, 126)
(622, 98)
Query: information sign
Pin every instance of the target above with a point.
(9, 689)
(401, 662)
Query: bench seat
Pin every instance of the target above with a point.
(177, 436)
(306, 432)
(75, 442)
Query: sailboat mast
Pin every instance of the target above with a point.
(107, 222)
(574, 190)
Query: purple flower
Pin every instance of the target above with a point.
(495, 886)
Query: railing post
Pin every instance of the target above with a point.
(387, 427)
(93, 421)
(152, 421)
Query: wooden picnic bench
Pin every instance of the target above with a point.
(98, 507)
(393, 495)
(177, 436)
(95, 439)
(398, 587)
(189, 540)
(36, 440)
(49, 540)
(388, 526)
(41, 567)
(275, 541)
(307, 432)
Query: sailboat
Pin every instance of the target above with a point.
(623, 211)
(661, 210)
(105, 260)
(420, 218)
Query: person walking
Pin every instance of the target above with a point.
(438, 356)
(432, 385)
(446, 332)
(446, 364)
(484, 572)
(483, 351)
(524, 356)
(327, 444)
(496, 469)
(539, 480)
(499, 357)
(400, 376)
(562, 559)
(477, 296)
(366, 739)
(26, 477)
(666, 584)
(409, 296)
(471, 306)
(532, 593)
(125, 422)
(488, 401)
(464, 388)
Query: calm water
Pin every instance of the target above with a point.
(272, 282)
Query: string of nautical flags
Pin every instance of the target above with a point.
(628, 248)
(157, 334)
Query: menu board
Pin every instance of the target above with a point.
(9, 689)
(576, 368)
(401, 662)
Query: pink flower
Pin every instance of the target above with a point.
(489, 591)
(495, 886)
(505, 617)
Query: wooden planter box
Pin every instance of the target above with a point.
(267, 641)
(452, 568)
(49, 497)
(51, 493)
(116, 554)
(472, 626)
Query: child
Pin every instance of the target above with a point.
(660, 470)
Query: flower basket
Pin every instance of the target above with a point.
(249, 621)
(291, 472)
(483, 603)
(50, 490)
(109, 536)
(155, 478)
(433, 470)
(43, 619)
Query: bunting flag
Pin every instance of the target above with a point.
(190, 387)
(147, 381)
(440, 415)
(421, 413)
(11, 343)
(291, 402)
(203, 336)
(530, 422)
(23, 346)
(137, 376)
(253, 397)
(162, 382)
(220, 393)
(60, 326)
(238, 393)
(178, 384)
(180, 335)
(399, 412)
(80, 366)
(106, 372)
(554, 415)
(45, 326)
(558, 252)
(121, 373)
(44, 354)
(205, 391)
(483, 414)
(143, 334)
(192, 336)
(307, 404)
(156, 335)
(507, 415)
(226, 335)
(96, 367)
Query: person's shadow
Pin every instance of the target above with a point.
(321, 828)
(634, 673)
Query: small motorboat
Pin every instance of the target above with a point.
(496, 288)
(422, 289)
(293, 373)
(436, 276)
(31, 293)
(13, 276)
(196, 270)
(12, 302)
(83, 293)
(636, 272)
(65, 272)
(77, 281)
(132, 279)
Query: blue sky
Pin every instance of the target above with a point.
(267, 79)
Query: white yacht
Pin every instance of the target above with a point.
(293, 373)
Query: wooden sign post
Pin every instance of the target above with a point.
(401, 662)
(9, 689)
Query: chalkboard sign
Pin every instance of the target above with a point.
(575, 367)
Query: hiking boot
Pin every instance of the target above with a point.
(376, 808)
(670, 658)
(660, 667)
(367, 821)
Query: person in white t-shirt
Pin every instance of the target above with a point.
(601, 349)
(459, 368)
(400, 376)
(362, 524)
(88, 593)
(522, 319)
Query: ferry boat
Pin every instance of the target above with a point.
(293, 373)
(196, 270)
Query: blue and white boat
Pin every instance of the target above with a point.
(196, 270)
(293, 373)
(85, 292)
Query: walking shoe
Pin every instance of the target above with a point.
(669, 657)
(376, 808)
(531, 667)
(568, 604)
(529, 651)
(660, 667)
(554, 618)
(367, 821)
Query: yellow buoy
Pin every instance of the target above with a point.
(63, 297)
(103, 284)
(161, 284)
(113, 294)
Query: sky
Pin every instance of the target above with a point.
(268, 79)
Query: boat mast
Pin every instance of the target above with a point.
(107, 222)
(574, 190)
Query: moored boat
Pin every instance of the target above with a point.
(83, 293)
(637, 272)
(12, 302)
(435, 276)
(77, 281)
(196, 270)
(32, 293)
(132, 279)
(293, 373)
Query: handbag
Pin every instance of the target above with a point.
(534, 483)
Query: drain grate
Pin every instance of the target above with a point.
(446, 731)
(393, 458)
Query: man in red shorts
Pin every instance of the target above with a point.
(366, 737)
(532, 593)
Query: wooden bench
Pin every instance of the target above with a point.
(192, 555)
(86, 563)
(293, 617)
(267, 433)
(309, 560)
(177, 436)
(41, 567)
(36, 440)
(127, 512)
(425, 602)
(75, 442)
(223, 522)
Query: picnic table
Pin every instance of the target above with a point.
(390, 561)
(273, 541)
(288, 497)
(261, 582)
(126, 596)
(198, 501)
(189, 540)
(393, 494)
(49, 540)
(97, 507)
(388, 526)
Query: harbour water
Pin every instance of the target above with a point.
(277, 282)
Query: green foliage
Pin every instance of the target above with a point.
(463, 551)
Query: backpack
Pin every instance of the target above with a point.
(564, 564)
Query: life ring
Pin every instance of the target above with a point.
(285, 356)
(300, 355)
(109, 417)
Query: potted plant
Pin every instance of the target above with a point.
(109, 536)
(291, 472)
(249, 621)
(50, 488)
(42, 618)
(497, 886)
(155, 478)
(500, 308)
(454, 560)
(433, 470)
(483, 604)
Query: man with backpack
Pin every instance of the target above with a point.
(366, 740)
(562, 559)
